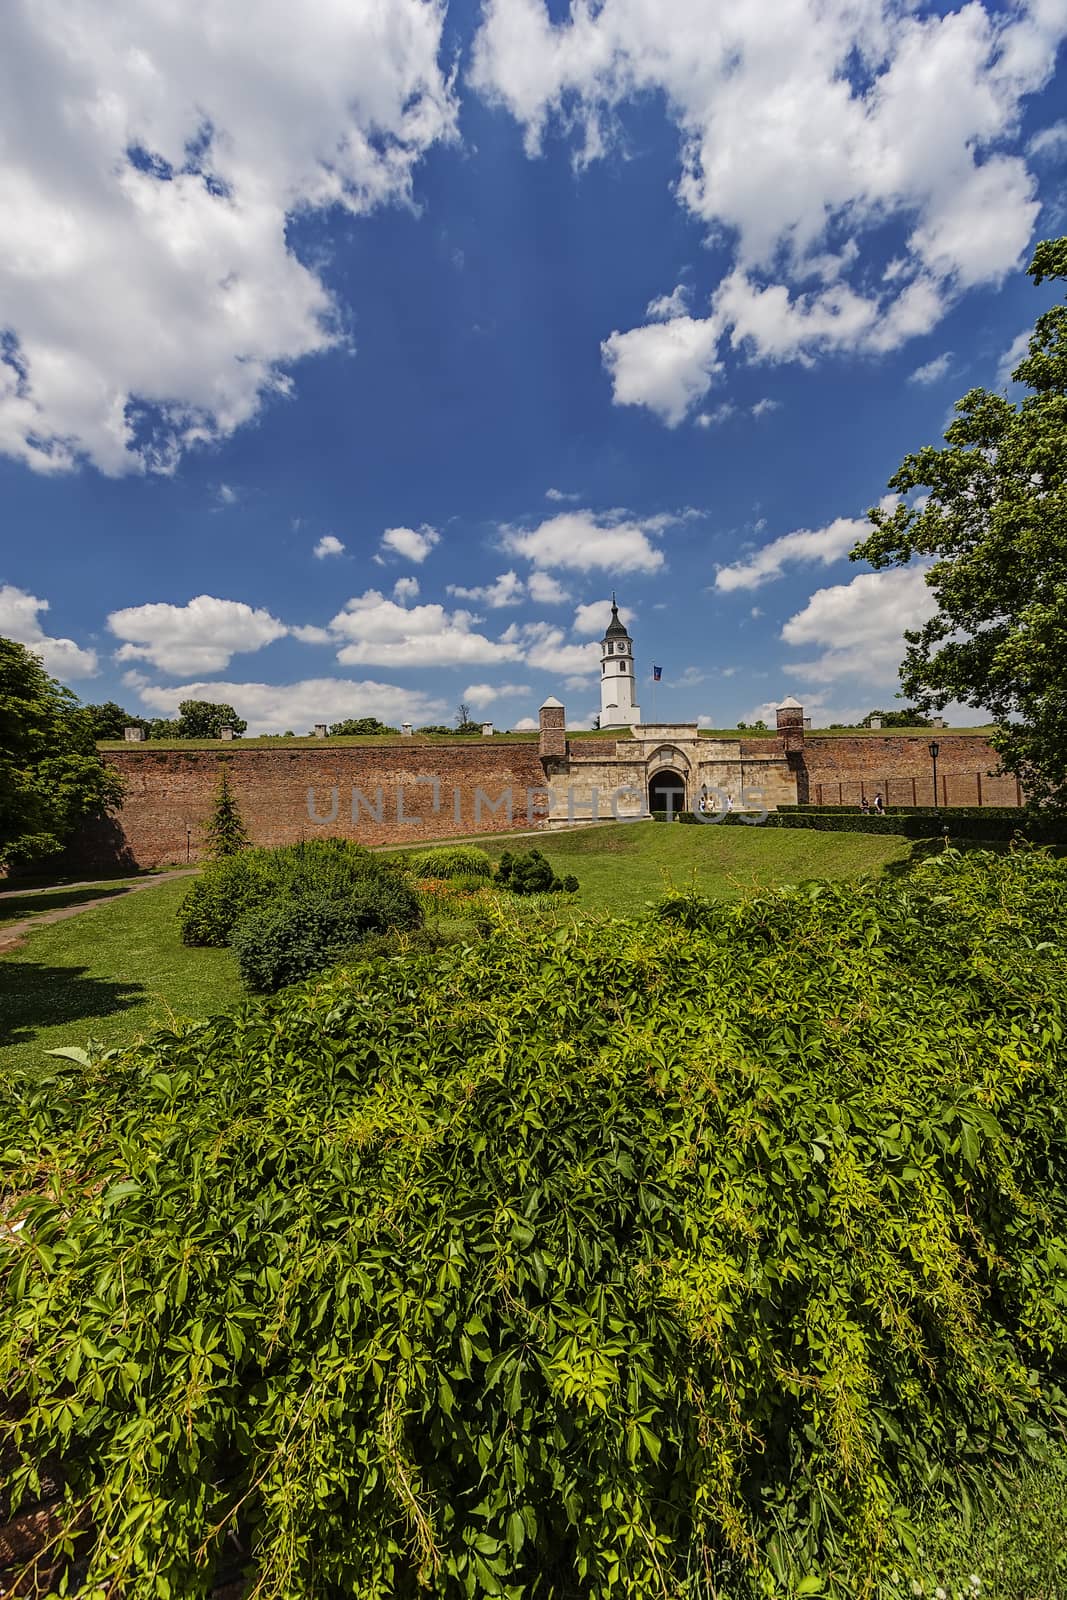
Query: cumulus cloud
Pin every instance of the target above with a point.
(526, 725)
(858, 627)
(588, 541)
(202, 636)
(329, 545)
(805, 546)
(546, 589)
(666, 366)
(152, 164)
(372, 630)
(274, 707)
(483, 694)
(405, 589)
(722, 413)
(897, 112)
(932, 371)
(507, 590)
(665, 307)
(413, 544)
(593, 618)
(560, 494)
(1051, 141)
(20, 620)
(542, 645)
(764, 407)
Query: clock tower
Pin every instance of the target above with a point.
(618, 691)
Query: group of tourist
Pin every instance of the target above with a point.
(873, 808)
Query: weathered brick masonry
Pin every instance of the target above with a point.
(380, 794)
(842, 771)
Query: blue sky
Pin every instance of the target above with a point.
(348, 366)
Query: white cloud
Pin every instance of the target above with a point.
(199, 637)
(273, 707)
(227, 494)
(592, 619)
(153, 159)
(858, 627)
(1016, 351)
(900, 116)
(805, 546)
(668, 306)
(588, 541)
(526, 725)
(546, 590)
(329, 545)
(19, 620)
(539, 644)
(689, 678)
(507, 590)
(1051, 141)
(932, 371)
(764, 407)
(372, 630)
(483, 694)
(405, 589)
(709, 419)
(414, 544)
(666, 366)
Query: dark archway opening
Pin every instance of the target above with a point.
(666, 792)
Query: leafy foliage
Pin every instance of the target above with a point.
(234, 889)
(226, 833)
(571, 1264)
(110, 721)
(993, 516)
(205, 719)
(51, 776)
(301, 932)
(452, 861)
(360, 725)
(529, 873)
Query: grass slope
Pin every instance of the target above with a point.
(119, 970)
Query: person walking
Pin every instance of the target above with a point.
(879, 808)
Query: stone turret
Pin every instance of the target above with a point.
(552, 720)
(789, 717)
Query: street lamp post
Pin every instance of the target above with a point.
(935, 750)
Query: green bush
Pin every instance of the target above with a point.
(227, 890)
(620, 1263)
(300, 933)
(452, 861)
(528, 872)
(979, 825)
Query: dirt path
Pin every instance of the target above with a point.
(16, 931)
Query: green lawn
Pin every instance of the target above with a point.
(119, 970)
(621, 867)
(17, 907)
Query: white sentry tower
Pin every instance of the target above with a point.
(618, 691)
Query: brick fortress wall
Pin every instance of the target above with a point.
(843, 770)
(390, 788)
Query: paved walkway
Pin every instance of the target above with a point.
(15, 932)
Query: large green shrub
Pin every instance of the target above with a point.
(227, 890)
(529, 872)
(300, 933)
(609, 1262)
(452, 861)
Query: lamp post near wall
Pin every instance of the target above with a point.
(935, 750)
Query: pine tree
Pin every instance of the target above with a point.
(226, 832)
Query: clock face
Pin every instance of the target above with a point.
(622, 649)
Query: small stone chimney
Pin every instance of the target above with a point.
(405, 730)
(487, 730)
(133, 735)
(789, 717)
(552, 720)
(320, 730)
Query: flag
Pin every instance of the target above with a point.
(657, 673)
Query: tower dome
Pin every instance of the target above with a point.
(618, 688)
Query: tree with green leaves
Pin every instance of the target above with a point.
(204, 719)
(464, 723)
(905, 717)
(226, 834)
(989, 513)
(51, 776)
(110, 721)
(360, 726)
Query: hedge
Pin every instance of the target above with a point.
(930, 825)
